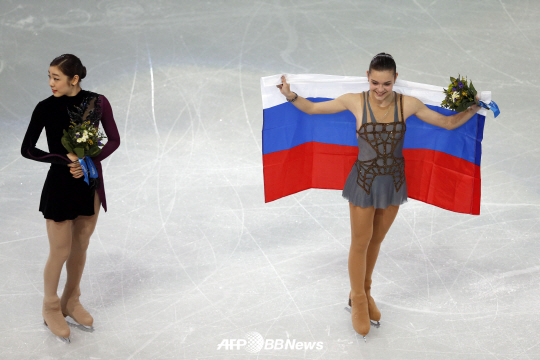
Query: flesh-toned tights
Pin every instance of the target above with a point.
(68, 241)
(368, 229)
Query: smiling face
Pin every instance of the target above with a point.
(61, 84)
(381, 83)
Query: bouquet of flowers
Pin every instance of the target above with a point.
(85, 141)
(459, 95)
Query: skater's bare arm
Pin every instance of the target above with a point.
(414, 106)
(342, 103)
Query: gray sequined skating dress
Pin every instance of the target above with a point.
(377, 178)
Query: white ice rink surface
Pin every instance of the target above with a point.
(189, 254)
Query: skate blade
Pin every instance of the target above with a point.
(64, 340)
(348, 309)
(73, 323)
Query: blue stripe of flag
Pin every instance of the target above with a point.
(286, 127)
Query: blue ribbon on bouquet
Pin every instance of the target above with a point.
(89, 171)
(91, 168)
(491, 106)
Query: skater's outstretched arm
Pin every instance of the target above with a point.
(342, 103)
(413, 106)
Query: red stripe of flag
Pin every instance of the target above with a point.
(310, 165)
(426, 170)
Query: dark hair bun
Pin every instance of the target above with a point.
(83, 73)
(70, 65)
(382, 62)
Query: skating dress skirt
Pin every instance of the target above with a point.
(377, 178)
(65, 197)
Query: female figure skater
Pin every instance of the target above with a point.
(376, 184)
(69, 205)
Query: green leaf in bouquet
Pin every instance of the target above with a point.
(67, 144)
(474, 92)
(79, 152)
(464, 106)
(94, 151)
(471, 87)
(461, 108)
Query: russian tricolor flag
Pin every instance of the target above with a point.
(302, 151)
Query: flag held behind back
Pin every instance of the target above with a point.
(302, 151)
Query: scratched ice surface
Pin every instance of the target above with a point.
(189, 254)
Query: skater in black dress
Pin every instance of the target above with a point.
(69, 205)
(376, 186)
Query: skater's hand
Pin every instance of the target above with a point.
(75, 167)
(475, 107)
(285, 88)
(77, 172)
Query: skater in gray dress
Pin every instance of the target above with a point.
(376, 186)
